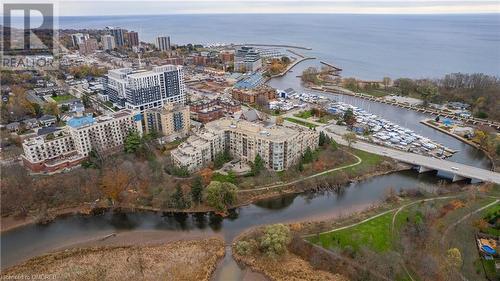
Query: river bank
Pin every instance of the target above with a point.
(428, 110)
(248, 251)
(245, 196)
(127, 262)
(428, 122)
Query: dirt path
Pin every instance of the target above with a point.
(359, 160)
(466, 217)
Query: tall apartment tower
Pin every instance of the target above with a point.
(78, 38)
(119, 35)
(108, 42)
(163, 43)
(142, 90)
(133, 38)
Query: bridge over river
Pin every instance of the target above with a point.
(424, 163)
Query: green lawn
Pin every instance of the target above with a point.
(63, 98)
(374, 234)
(304, 114)
(369, 160)
(492, 214)
(376, 93)
(300, 122)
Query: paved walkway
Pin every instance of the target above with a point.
(359, 160)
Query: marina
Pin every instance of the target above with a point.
(370, 127)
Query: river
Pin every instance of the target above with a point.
(32, 240)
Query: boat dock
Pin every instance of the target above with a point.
(471, 120)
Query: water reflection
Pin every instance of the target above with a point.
(277, 203)
(32, 240)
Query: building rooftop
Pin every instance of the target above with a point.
(249, 128)
(77, 122)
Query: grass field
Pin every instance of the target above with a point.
(63, 98)
(375, 234)
(300, 122)
(304, 114)
(369, 160)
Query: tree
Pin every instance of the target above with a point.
(178, 199)
(257, 165)
(349, 117)
(206, 174)
(350, 138)
(220, 195)
(334, 145)
(454, 257)
(18, 105)
(132, 142)
(275, 240)
(324, 139)
(406, 86)
(310, 75)
(52, 108)
(115, 180)
(197, 190)
(386, 81)
(350, 84)
(279, 120)
(285, 59)
(221, 158)
(300, 166)
(427, 91)
(308, 156)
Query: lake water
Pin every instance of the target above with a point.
(365, 46)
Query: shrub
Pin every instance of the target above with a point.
(275, 240)
(220, 195)
(245, 248)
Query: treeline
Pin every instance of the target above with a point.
(479, 90)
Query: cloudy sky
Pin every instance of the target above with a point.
(138, 7)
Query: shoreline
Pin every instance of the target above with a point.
(342, 91)
(85, 210)
(464, 140)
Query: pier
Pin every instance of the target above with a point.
(336, 68)
(275, 45)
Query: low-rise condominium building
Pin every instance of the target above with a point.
(70, 145)
(280, 147)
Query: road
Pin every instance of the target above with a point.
(428, 163)
(460, 170)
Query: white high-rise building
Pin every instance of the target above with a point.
(108, 42)
(163, 43)
(141, 90)
(78, 38)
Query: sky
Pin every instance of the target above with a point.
(149, 7)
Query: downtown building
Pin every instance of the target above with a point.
(162, 43)
(132, 38)
(141, 90)
(70, 145)
(280, 147)
(78, 38)
(119, 35)
(171, 121)
(108, 42)
(89, 46)
(247, 59)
